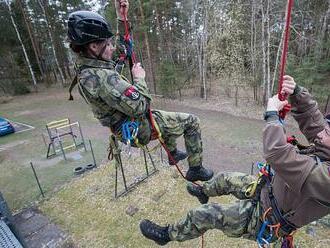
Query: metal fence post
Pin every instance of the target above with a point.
(36, 177)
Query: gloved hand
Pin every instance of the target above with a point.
(121, 6)
(138, 72)
(288, 86)
(274, 104)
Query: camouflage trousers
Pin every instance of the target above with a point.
(173, 125)
(238, 219)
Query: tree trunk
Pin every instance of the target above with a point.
(204, 48)
(103, 4)
(252, 48)
(264, 60)
(277, 61)
(322, 34)
(158, 30)
(146, 40)
(36, 49)
(52, 43)
(22, 45)
(236, 94)
(268, 50)
(327, 105)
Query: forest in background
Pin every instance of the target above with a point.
(188, 47)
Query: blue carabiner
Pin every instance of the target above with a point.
(260, 238)
(129, 131)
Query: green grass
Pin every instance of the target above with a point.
(87, 210)
(17, 182)
(85, 206)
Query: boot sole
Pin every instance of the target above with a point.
(194, 179)
(145, 234)
(202, 201)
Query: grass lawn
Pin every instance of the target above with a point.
(87, 210)
(17, 150)
(85, 207)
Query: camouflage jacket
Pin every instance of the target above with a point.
(113, 100)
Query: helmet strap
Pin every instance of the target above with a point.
(99, 55)
(102, 51)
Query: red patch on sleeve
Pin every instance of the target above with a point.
(129, 91)
(132, 93)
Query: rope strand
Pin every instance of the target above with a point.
(281, 96)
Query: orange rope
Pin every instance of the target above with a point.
(153, 126)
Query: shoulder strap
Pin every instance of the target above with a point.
(75, 80)
(73, 84)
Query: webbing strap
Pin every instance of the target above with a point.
(72, 85)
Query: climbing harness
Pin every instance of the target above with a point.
(274, 223)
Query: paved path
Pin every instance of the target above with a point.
(38, 231)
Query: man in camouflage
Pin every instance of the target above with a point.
(115, 101)
(299, 190)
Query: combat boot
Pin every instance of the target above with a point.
(197, 190)
(154, 232)
(177, 156)
(199, 173)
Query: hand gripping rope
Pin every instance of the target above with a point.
(281, 96)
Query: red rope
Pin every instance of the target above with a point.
(152, 120)
(281, 96)
(127, 36)
(127, 39)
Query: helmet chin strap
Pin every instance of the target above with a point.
(102, 52)
(99, 55)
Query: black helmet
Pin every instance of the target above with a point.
(86, 26)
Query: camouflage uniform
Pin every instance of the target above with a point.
(297, 194)
(114, 101)
(300, 183)
(238, 219)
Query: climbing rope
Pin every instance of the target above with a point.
(281, 96)
(131, 55)
(132, 60)
(128, 39)
(287, 241)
